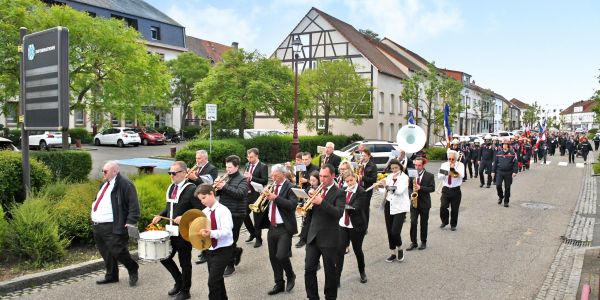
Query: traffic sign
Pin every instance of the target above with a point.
(211, 112)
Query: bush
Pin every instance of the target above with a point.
(55, 191)
(436, 153)
(70, 165)
(167, 130)
(273, 148)
(189, 132)
(15, 136)
(3, 233)
(82, 134)
(151, 191)
(34, 232)
(220, 150)
(11, 177)
(72, 212)
(355, 137)
(596, 168)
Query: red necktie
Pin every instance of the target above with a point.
(199, 171)
(101, 195)
(326, 159)
(174, 192)
(340, 182)
(324, 193)
(251, 171)
(213, 226)
(346, 216)
(273, 208)
(394, 180)
(449, 179)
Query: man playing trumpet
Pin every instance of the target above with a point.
(451, 174)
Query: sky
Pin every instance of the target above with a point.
(546, 51)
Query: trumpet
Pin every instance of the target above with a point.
(192, 170)
(262, 202)
(303, 211)
(359, 169)
(220, 179)
(414, 196)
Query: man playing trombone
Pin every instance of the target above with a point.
(451, 174)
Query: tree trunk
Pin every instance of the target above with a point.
(326, 111)
(184, 112)
(242, 124)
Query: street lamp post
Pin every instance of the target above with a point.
(465, 127)
(296, 47)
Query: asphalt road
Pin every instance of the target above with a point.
(496, 253)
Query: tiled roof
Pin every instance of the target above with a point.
(416, 56)
(358, 40)
(396, 55)
(207, 49)
(519, 104)
(587, 105)
(137, 8)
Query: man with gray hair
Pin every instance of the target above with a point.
(451, 174)
(203, 168)
(115, 208)
(330, 158)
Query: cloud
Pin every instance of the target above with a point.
(405, 19)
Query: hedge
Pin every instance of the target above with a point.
(72, 211)
(11, 177)
(151, 191)
(70, 165)
(436, 153)
(82, 134)
(189, 132)
(220, 150)
(15, 136)
(3, 233)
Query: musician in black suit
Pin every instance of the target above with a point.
(323, 235)
(353, 225)
(181, 193)
(367, 178)
(330, 158)
(425, 184)
(280, 219)
(313, 185)
(203, 167)
(258, 172)
(307, 161)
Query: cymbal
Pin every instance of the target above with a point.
(186, 220)
(198, 241)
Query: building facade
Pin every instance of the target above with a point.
(579, 116)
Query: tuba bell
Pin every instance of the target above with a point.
(411, 138)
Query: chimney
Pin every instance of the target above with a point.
(234, 45)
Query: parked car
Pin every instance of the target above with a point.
(504, 134)
(119, 136)
(7, 145)
(380, 151)
(149, 136)
(44, 140)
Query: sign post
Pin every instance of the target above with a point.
(211, 115)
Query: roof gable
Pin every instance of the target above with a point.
(519, 104)
(587, 106)
(207, 49)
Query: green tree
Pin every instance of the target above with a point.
(246, 83)
(530, 115)
(336, 90)
(449, 94)
(187, 70)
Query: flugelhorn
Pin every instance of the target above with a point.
(262, 202)
(220, 179)
(303, 211)
(192, 170)
(414, 196)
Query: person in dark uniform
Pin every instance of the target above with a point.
(596, 142)
(257, 172)
(367, 179)
(486, 157)
(307, 161)
(181, 194)
(527, 152)
(424, 184)
(474, 157)
(314, 183)
(562, 144)
(585, 148)
(464, 148)
(330, 158)
(505, 169)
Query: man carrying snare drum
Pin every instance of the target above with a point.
(181, 193)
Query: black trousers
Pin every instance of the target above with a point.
(311, 262)
(348, 235)
(305, 227)
(535, 157)
(113, 248)
(572, 156)
(506, 177)
(585, 155)
(253, 230)
(183, 249)
(485, 167)
(280, 249)
(470, 167)
(393, 225)
(237, 225)
(596, 145)
(415, 215)
(216, 261)
(450, 198)
(476, 166)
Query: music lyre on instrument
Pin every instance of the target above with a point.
(262, 202)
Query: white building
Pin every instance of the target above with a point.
(580, 115)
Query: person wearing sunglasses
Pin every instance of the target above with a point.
(115, 208)
(451, 174)
(179, 199)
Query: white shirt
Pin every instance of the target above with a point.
(224, 231)
(104, 213)
(278, 218)
(353, 190)
(399, 199)
(459, 167)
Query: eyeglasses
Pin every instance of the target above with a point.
(174, 173)
(104, 171)
(451, 159)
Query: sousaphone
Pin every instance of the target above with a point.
(411, 139)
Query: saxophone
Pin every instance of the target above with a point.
(414, 196)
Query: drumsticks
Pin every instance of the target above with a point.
(164, 218)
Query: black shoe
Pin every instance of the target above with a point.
(133, 279)
(464, 180)
(291, 282)
(183, 295)
(488, 186)
(175, 290)
(505, 204)
(105, 281)
(481, 185)
(238, 255)
(201, 258)
(412, 247)
(250, 239)
(443, 225)
(453, 228)
(475, 176)
(229, 270)
(300, 243)
(392, 258)
(423, 246)
(400, 256)
(500, 200)
(276, 290)
(363, 277)
(257, 244)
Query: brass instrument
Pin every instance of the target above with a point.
(453, 171)
(303, 211)
(220, 179)
(359, 169)
(262, 202)
(192, 170)
(414, 196)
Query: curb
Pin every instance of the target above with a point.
(36, 279)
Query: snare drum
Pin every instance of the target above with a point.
(154, 245)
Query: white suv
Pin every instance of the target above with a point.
(119, 136)
(380, 151)
(45, 139)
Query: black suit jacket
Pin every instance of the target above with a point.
(427, 187)
(286, 203)
(186, 202)
(370, 176)
(358, 215)
(260, 174)
(125, 205)
(208, 169)
(324, 228)
(334, 160)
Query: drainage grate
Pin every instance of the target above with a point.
(576, 243)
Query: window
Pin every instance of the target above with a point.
(155, 32)
(390, 135)
(114, 121)
(384, 148)
(392, 103)
(11, 112)
(128, 21)
(79, 118)
(399, 105)
(381, 100)
(128, 123)
(380, 131)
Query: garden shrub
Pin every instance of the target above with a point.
(72, 212)
(11, 177)
(15, 136)
(70, 165)
(54, 191)
(189, 132)
(436, 153)
(3, 233)
(167, 130)
(220, 150)
(34, 232)
(151, 191)
(81, 134)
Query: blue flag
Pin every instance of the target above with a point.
(411, 118)
(448, 129)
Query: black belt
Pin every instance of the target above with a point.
(276, 225)
(451, 188)
(101, 223)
